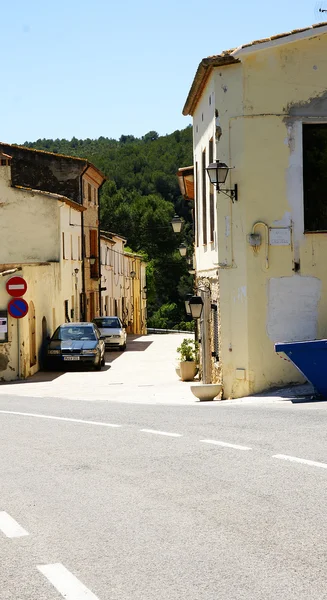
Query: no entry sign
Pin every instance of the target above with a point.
(18, 308)
(16, 286)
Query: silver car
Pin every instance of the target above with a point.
(112, 332)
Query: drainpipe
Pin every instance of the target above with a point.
(83, 316)
(99, 254)
(99, 249)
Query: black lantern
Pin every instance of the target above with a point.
(196, 306)
(217, 172)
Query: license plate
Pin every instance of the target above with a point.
(108, 339)
(71, 357)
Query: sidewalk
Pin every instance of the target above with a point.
(144, 374)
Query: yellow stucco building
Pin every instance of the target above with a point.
(262, 110)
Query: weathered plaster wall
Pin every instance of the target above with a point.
(278, 290)
(122, 290)
(43, 291)
(29, 224)
(47, 172)
(280, 90)
(71, 281)
(91, 221)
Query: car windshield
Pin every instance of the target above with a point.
(108, 322)
(74, 333)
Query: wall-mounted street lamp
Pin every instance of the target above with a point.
(132, 274)
(187, 304)
(92, 260)
(182, 249)
(196, 306)
(217, 172)
(176, 224)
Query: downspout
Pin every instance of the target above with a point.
(99, 251)
(83, 316)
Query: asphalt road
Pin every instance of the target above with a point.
(115, 501)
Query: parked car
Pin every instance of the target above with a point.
(112, 331)
(76, 342)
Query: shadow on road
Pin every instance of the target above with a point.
(133, 345)
(39, 377)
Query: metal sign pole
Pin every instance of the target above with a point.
(18, 343)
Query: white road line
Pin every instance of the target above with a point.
(216, 443)
(66, 583)
(161, 432)
(304, 461)
(10, 527)
(37, 416)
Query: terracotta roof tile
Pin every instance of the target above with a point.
(225, 58)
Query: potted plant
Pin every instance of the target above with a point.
(188, 354)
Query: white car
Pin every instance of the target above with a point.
(112, 332)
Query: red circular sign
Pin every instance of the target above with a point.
(18, 308)
(16, 286)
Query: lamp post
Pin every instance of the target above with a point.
(217, 172)
(182, 249)
(176, 224)
(198, 308)
(187, 305)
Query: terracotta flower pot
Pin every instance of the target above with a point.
(187, 370)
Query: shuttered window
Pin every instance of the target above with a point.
(214, 312)
(211, 197)
(204, 199)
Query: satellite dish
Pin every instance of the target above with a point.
(321, 11)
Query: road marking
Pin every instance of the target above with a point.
(304, 461)
(66, 583)
(10, 527)
(161, 432)
(37, 416)
(216, 443)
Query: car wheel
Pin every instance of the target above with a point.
(98, 365)
(122, 348)
(103, 361)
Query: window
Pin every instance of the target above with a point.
(94, 252)
(211, 197)
(315, 177)
(204, 199)
(63, 245)
(71, 248)
(214, 312)
(197, 204)
(89, 192)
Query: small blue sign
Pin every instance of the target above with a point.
(18, 308)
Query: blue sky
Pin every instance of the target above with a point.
(85, 69)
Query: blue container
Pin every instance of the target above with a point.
(310, 358)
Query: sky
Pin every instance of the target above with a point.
(111, 68)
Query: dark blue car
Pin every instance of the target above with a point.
(78, 343)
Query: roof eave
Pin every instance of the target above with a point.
(201, 77)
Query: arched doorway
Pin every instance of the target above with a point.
(32, 334)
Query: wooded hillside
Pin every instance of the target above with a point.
(138, 202)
